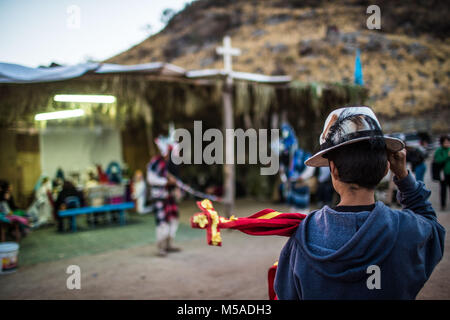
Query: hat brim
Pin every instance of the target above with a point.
(317, 160)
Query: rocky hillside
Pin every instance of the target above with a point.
(405, 64)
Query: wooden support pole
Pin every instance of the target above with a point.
(228, 167)
(148, 121)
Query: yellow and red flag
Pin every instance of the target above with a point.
(263, 223)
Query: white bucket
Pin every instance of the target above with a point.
(8, 257)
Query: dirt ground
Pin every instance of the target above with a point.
(237, 270)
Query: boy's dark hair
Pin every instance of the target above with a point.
(443, 138)
(362, 163)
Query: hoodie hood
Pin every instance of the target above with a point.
(341, 245)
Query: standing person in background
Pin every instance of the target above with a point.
(139, 193)
(114, 172)
(417, 156)
(60, 174)
(325, 189)
(295, 176)
(421, 167)
(102, 177)
(442, 158)
(299, 175)
(42, 203)
(163, 185)
(288, 145)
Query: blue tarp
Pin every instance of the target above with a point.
(358, 69)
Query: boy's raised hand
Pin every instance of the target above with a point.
(397, 161)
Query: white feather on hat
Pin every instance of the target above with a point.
(349, 125)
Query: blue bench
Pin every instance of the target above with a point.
(73, 213)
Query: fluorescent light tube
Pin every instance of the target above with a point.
(59, 115)
(84, 98)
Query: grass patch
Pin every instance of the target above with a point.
(43, 245)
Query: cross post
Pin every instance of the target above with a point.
(228, 123)
(227, 51)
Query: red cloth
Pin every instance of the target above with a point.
(102, 177)
(271, 280)
(263, 223)
(283, 224)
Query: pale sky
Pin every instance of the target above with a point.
(38, 32)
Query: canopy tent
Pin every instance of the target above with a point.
(165, 90)
(151, 95)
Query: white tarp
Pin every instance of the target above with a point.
(14, 73)
(152, 67)
(237, 75)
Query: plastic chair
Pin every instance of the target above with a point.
(72, 202)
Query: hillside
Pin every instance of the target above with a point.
(405, 64)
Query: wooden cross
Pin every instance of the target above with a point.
(227, 51)
(228, 123)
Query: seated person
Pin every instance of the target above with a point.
(68, 198)
(10, 211)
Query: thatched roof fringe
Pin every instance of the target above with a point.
(252, 101)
